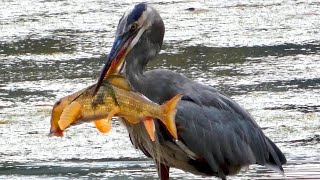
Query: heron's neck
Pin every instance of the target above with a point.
(134, 73)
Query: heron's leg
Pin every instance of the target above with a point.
(163, 171)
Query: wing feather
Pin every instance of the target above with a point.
(215, 127)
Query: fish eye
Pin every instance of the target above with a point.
(58, 103)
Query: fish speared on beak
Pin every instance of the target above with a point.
(120, 49)
(115, 60)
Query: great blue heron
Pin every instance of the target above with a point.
(216, 136)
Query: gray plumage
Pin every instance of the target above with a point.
(216, 136)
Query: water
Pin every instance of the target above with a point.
(264, 54)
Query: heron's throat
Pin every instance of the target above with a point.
(134, 72)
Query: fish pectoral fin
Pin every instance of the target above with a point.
(103, 125)
(69, 115)
(112, 113)
(132, 120)
(150, 127)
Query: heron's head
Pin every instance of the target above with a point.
(138, 38)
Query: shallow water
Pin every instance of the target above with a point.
(264, 54)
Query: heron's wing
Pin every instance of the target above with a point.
(224, 134)
(144, 151)
(214, 127)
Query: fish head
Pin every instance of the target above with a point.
(56, 112)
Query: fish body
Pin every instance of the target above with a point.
(129, 104)
(60, 106)
(111, 101)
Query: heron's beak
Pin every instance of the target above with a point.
(115, 62)
(117, 56)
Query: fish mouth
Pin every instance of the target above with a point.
(57, 133)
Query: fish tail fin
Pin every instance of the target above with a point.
(69, 115)
(170, 114)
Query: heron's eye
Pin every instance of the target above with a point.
(134, 27)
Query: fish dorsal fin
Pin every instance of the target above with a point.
(103, 125)
(132, 120)
(150, 127)
(69, 115)
(119, 81)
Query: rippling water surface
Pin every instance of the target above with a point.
(264, 54)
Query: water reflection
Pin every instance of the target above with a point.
(36, 46)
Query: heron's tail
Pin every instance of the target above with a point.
(276, 157)
(170, 110)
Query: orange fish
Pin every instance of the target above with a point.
(112, 101)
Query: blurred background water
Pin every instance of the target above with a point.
(264, 54)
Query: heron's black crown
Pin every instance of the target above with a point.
(136, 12)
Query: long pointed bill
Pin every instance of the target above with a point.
(115, 59)
(115, 62)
